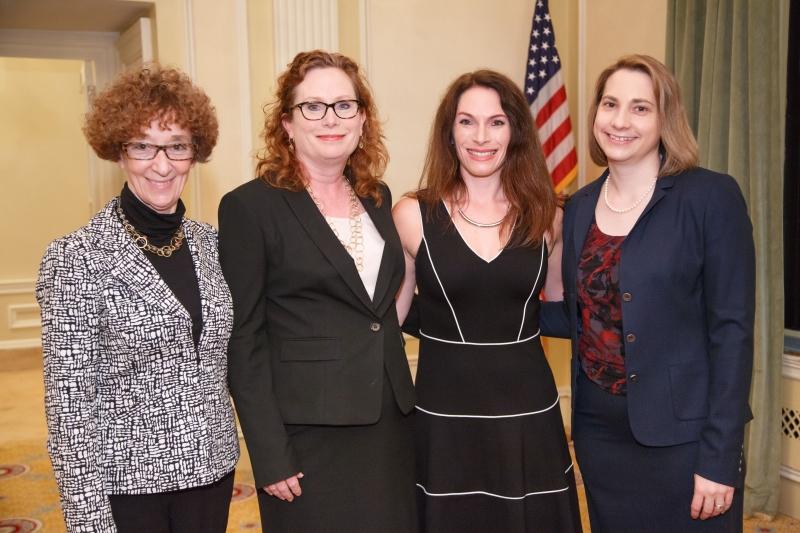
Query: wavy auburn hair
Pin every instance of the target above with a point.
(678, 144)
(125, 109)
(279, 166)
(523, 176)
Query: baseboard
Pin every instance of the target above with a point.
(792, 474)
(16, 344)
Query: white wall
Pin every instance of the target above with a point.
(45, 179)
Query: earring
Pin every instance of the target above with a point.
(291, 144)
(361, 144)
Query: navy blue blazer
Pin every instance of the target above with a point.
(687, 279)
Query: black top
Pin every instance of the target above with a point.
(177, 271)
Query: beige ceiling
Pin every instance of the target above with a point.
(71, 15)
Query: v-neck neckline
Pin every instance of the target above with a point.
(466, 243)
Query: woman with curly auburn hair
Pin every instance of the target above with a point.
(136, 318)
(482, 241)
(317, 368)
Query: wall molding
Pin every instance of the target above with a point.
(245, 95)
(17, 286)
(300, 25)
(792, 474)
(363, 38)
(582, 95)
(565, 392)
(16, 313)
(191, 69)
(17, 344)
(98, 52)
(791, 367)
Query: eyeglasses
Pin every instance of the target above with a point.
(318, 110)
(147, 151)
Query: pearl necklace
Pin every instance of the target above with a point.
(479, 224)
(355, 246)
(635, 204)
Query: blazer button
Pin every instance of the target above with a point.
(375, 326)
(626, 297)
(630, 337)
(633, 378)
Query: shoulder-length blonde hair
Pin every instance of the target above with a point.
(523, 176)
(678, 144)
(279, 166)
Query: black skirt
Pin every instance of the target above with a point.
(356, 478)
(632, 488)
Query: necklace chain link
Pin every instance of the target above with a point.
(355, 245)
(636, 204)
(143, 243)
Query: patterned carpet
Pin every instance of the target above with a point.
(29, 498)
(28, 493)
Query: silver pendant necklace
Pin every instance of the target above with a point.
(635, 204)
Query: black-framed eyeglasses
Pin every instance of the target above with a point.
(147, 151)
(317, 110)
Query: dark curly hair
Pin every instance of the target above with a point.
(125, 109)
(278, 165)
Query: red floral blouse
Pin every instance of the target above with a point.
(600, 348)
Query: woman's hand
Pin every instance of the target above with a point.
(286, 489)
(710, 498)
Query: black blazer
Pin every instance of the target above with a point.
(308, 345)
(687, 278)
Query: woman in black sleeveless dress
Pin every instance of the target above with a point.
(491, 449)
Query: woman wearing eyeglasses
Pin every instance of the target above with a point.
(317, 368)
(136, 318)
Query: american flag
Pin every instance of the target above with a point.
(547, 97)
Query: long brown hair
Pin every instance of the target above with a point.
(677, 140)
(279, 166)
(523, 176)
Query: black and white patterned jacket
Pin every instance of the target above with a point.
(132, 406)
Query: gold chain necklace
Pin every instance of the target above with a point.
(141, 240)
(355, 246)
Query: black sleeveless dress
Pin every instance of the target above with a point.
(491, 451)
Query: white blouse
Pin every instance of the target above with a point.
(373, 248)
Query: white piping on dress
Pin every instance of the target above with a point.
(517, 415)
(484, 493)
(518, 341)
(435, 273)
(525, 307)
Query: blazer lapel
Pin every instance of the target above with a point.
(129, 264)
(323, 237)
(662, 185)
(385, 225)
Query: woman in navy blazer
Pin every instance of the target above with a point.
(659, 277)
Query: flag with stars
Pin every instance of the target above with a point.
(547, 97)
